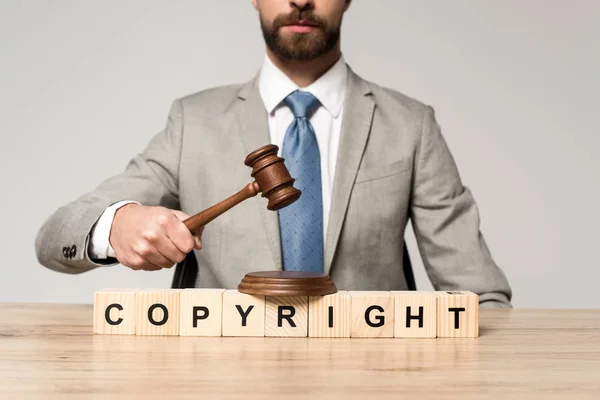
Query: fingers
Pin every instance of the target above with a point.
(198, 242)
(148, 267)
(198, 238)
(167, 244)
(181, 236)
(137, 263)
(197, 235)
(163, 251)
(167, 249)
(147, 255)
(153, 238)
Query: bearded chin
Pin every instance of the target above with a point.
(300, 46)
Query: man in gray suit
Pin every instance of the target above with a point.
(367, 158)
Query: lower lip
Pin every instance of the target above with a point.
(300, 28)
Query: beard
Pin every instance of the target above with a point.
(300, 46)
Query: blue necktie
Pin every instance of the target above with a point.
(301, 223)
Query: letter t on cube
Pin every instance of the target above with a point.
(458, 314)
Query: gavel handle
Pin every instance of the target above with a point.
(196, 221)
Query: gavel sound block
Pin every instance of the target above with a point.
(273, 179)
(220, 312)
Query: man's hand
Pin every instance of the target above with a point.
(151, 238)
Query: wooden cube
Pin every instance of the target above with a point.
(115, 312)
(243, 314)
(200, 312)
(158, 312)
(330, 315)
(286, 316)
(415, 314)
(372, 314)
(458, 314)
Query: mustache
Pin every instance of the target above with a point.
(306, 16)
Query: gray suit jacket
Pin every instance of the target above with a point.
(393, 165)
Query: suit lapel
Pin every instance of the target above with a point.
(252, 119)
(356, 125)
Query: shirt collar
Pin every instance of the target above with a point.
(274, 86)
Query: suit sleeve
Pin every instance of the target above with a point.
(446, 222)
(150, 178)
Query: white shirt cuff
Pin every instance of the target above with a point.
(100, 247)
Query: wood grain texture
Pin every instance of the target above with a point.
(48, 351)
(458, 314)
(286, 283)
(415, 314)
(330, 315)
(286, 316)
(243, 314)
(200, 312)
(157, 312)
(372, 314)
(195, 222)
(120, 304)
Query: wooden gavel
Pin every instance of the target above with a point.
(271, 177)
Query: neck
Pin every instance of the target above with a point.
(303, 73)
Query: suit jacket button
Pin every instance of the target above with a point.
(73, 251)
(65, 251)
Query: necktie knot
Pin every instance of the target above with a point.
(302, 104)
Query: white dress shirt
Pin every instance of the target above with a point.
(274, 87)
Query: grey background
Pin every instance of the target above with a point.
(85, 84)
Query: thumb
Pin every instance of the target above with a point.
(180, 215)
(197, 234)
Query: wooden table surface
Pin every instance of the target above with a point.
(49, 352)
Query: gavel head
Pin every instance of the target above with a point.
(272, 177)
